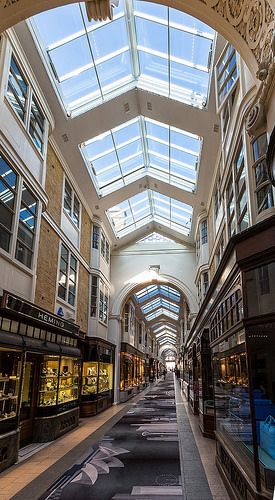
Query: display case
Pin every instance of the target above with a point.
(132, 371)
(205, 382)
(97, 376)
(105, 378)
(89, 379)
(58, 385)
(10, 374)
(47, 395)
(68, 380)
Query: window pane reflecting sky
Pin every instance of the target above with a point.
(92, 61)
(150, 206)
(143, 147)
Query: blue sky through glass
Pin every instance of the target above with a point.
(150, 206)
(91, 61)
(143, 147)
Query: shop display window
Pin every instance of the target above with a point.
(89, 378)
(126, 371)
(260, 290)
(10, 371)
(261, 350)
(232, 401)
(105, 377)
(48, 381)
(59, 381)
(68, 389)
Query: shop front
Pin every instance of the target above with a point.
(239, 313)
(132, 371)
(97, 388)
(205, 386)
(39, 376)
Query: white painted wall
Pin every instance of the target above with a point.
(129, 268)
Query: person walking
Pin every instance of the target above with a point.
(164, 373)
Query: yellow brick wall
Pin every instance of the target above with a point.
(47, 267)
(83, 299)
(54, 185)
(85, 242)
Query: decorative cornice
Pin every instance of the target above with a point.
(253, 20)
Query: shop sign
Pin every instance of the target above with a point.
(15, 304)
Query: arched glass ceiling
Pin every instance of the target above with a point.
(151, 291)
(147, 45)
(142, 147)
(160, 302)
(150, 206)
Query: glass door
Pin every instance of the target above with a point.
(28, 398)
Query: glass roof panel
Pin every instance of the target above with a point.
(159, 302)
(164, 326)
(159, 49)
(150, 205)
(162, 311)
(155, 238)
(143, 146)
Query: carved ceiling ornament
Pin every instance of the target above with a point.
(253, 20)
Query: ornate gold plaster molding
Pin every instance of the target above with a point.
(253, 20)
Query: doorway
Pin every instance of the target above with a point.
(29, 398)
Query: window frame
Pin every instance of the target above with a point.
(31, 97)
(220, 102)
(69, 267)
(70, 213)
(265, 184)
(17, 206)
(103, 302)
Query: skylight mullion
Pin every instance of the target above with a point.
(116, 153)
(144, 143)
(92, 56)
(131, 30)
(169, 68)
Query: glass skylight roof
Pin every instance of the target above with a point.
(160, 302)
(152, 290)
(155, 238)
(157, 48)
(161, 311)
(150, 206)
(143, 147)
(164, 327)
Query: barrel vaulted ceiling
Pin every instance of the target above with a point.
(135, 113)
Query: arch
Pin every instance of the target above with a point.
(168, 280)
(246, 24)
(167, 347)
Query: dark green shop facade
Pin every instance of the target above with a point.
(229, 375)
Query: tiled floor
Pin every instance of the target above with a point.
(61, 451)
(207, 451)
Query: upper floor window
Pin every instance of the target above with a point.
(67, 276)
(25, 104)
(103, 244)
(17, 91)
(18, 215)
(103, 302)
(105, 247)
(26, 228)
(236, 195)
(96, 236)
(226, 74)
(71, 204)
(94, 296)
(204, 233)
(240, 190)
(205, 282)
(264, 191)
